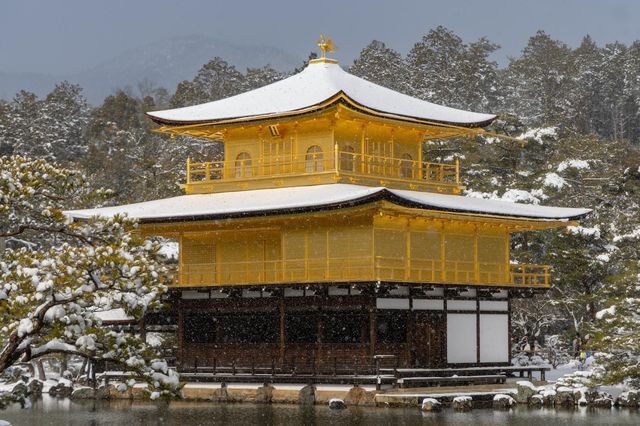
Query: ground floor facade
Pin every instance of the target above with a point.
(327, 329)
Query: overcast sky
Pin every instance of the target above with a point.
(69, 35)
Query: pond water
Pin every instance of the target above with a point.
(50, 411)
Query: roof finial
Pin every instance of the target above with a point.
(326, 45)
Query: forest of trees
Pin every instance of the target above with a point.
(579, 108)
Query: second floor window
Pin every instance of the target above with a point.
(347, 159)
(243, 165)
(406, 166)
(314, 160)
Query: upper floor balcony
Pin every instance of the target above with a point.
(318, 167)
(363, 269)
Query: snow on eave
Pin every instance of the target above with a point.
(339, 98)
(311, 89)
(278, 201)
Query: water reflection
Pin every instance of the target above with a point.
(52, 411)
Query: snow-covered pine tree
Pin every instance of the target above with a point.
(536, 83)
(586, 112)
(436, 67)
(382, 65)
(215, 80)
(258, 77)
(617, 328)
(51, 128)
(50, 293)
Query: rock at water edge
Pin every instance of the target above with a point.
(462, 403)
(431, 405)
(526, 390)
(503, 402)
(564, 397)
(307, 395)
(264, 394)
(83, 393)
(536, 401)
(359, 396)
(337, 404)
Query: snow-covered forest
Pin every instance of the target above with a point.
(578, 108)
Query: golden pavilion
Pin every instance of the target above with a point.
(326, 236)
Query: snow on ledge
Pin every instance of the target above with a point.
(303, 198)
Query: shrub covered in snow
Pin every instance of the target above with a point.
(50, 293)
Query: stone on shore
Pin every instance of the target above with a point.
(602, 403)
(503, 402)
(462, 403)
(61, 390)
(628, 399)
(548, 397)
(357, 395)
(264, 394)
(337, 404)
(84, 392)
(564, 397)
(35, 387)
(431, 405)
(307, 395)
(526, 390)
(536, 401)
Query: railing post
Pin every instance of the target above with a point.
(457, 171)
(188, 170)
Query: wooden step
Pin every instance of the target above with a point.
(450, 380)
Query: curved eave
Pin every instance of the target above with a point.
(340, 97)
(383, 195)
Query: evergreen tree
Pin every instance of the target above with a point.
(258, 77)
(50, 294)
(382, 65)
(436, 67)
(585, 109)
(215, 80)
(443, 69)
(536, 84)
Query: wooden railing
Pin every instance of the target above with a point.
(339, 162)
(530, 275)
(352, 269)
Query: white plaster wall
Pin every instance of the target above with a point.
(494, 338)
(493, 305)
(392, 303)
(461, 305)
(428, 304)
(461, 338)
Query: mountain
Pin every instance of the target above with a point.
(163, 63)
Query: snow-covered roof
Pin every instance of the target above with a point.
(319, 197)
(318, 83)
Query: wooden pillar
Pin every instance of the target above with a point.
(180, 337)
(509, 324)
(282, 329)
(372, 328)
(411, 323)
(407, 250)
(443, 262)
(477, 329)
(476, 265)
(319, 353)
(507, 255)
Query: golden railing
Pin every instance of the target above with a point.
(340, 162)
(351, 269)
(530, 275)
